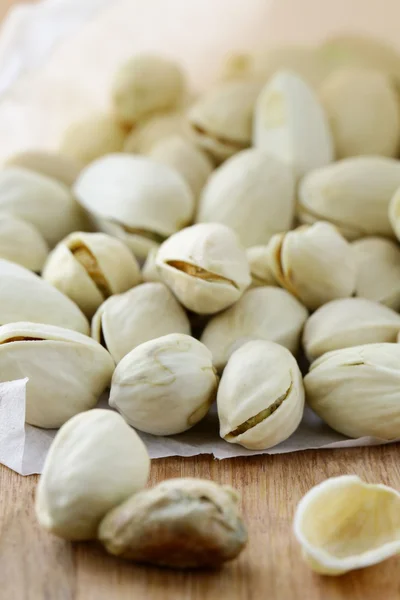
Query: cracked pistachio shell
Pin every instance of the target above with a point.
(363, 111)
(135, 198)
(144, 84)
(51, 164)
(149, 269)
(93, 137)
(356, 390)
(90, 267)
(42, 201)
(26, 297)
(205, 267)
(260, 270)
(96, 461)
(67, 371)
(315, 263)
(290, 123)
(21, 242)
(354, 194)
(266, 313)
(180, 523)
(378, 270)
(348, 322)
(154, 129)
(221, 119)
(253, 193)
(146, 312)
(260, 397)
(344, 524)
(166, 385)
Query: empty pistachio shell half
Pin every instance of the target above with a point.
(154, 129)
(290, 123)
(356, 390)
(344, 524)
(90, 267)
(261, 396)
(205, 267)
(315, 263)
(146, 312)
(267, 313)
(253, 193)
(349, 322)
(67, 371)
(145, 200)
(260, 270)
(26, 297)
(96, 461)
(21, 242)
(180, 523)
(166, 385)
(354, 194)
(53, 165)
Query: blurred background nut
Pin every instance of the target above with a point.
(253, 193)
(96, 461)
(180, 523)
(53, 165)
(155, 128)
(394, 212)
(90, 267)
(260, 270)
(261, 396)
(349, 322)
(205, 267)
(268, 313)
(166, 385)
(146, 312)
(21, 242)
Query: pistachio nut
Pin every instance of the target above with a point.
(180, 523)
(363, 111)
(26, 297)
(21, 242)
(67, 371)
(154, 129)
(166, 385)
(378, 270)
(149, 269)
(205, 267)
(349, 322)
(90, 267)
(344, 524)
(253, 193)
(260, 397)
(290, 123)
(266, 313)
(356, 390)
(313, 262)
(51, 164)
(136, 198)
(40, 200)
(221, 119)
(354, 194)
(146, 312)
(260, 270)
(144, 84)
(96, 461)
(394, 212)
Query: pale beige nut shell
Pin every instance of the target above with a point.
(21, 242)
(260, 270)
(154, 129)
(51, 164)
(149, 269)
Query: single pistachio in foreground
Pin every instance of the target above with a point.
(22, 243)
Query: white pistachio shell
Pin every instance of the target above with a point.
(148, 201)
(349, 322)
(146, 312)
(166, 385)
(253, 193)
(155, 129)
(67, 371)
(260, 397)
(356, 390)
(205, 267)
(344, 524)
(21, 242)
(266, 313)
(378, 270)
(40, 200)
(394, 212)
(290, 123)
(26, 297)
(51, 164)
(354, 194)
(315, 263)
(90, 267)
(96, 461)
(260, 270)
(149, 269)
